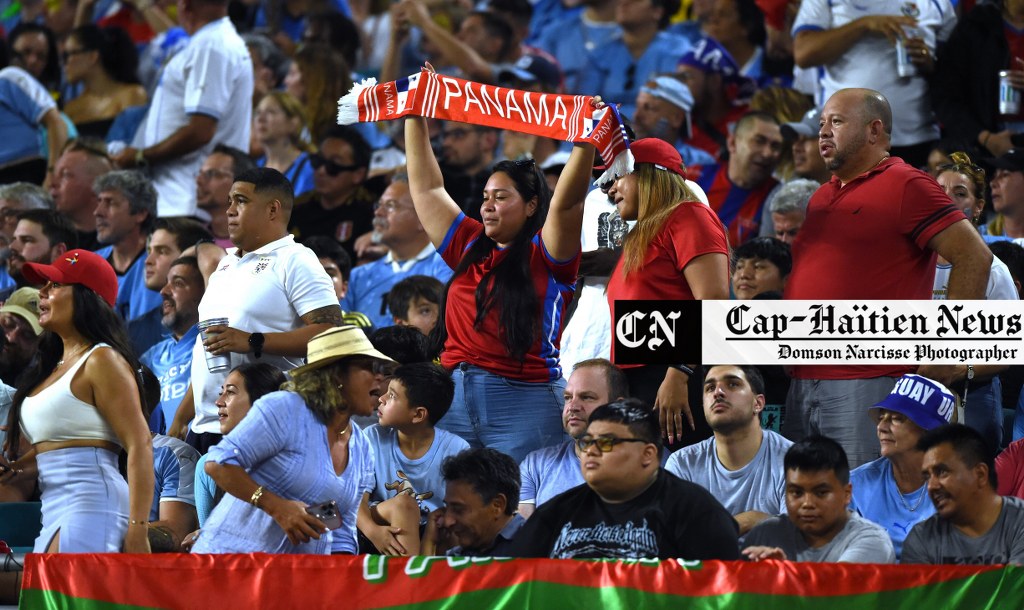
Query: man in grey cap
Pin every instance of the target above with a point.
(663, 108)
(19, 320)
(803, 137)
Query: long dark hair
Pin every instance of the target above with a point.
(50, 78)
(510, 283)
(118, 55)
(98, 323)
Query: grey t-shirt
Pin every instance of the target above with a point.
(936, 540)
(861, 541)
(760, 485)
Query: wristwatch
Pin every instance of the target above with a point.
(256, 341)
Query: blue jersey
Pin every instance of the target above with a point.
(171, 362)
(174, 464)
(369, 284)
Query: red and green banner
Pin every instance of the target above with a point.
(221, 582)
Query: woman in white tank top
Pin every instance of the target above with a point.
(76, 408)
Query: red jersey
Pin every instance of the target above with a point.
(553, 282)
(869, 241)
(739, 209)
(690, 231)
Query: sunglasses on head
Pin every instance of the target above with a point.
(332, 168)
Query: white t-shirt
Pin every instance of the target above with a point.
(871, 61)
(267, 290)
(211, 76)
(1000, 282)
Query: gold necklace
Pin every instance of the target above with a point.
(74, 353)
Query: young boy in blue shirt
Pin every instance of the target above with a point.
(408, 451)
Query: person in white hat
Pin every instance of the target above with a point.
(283, 489)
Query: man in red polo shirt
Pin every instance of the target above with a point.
(872, 232)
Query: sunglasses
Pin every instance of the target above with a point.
(332, 168)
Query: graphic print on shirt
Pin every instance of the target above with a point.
(603, 540)
(404, 486)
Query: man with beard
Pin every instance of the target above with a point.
(872, 232)
(171, 359)
(741, 465)
(549, 471)
(41, 236)
(740, 186)
(409, 253)
(19, 320)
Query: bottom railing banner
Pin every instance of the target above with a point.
(220, 582)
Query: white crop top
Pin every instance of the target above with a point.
(55, 414)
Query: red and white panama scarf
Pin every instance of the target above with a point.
(561, 117)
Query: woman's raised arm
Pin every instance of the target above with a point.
(434, 206)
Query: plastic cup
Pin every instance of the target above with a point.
(214, 363)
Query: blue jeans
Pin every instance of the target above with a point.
(514, 417)
(984, 411)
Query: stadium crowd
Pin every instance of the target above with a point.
(232, 325)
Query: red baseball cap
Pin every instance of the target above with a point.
(77, 267)
(659, 152)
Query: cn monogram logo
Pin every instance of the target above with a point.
(633, 331)
(657, 332)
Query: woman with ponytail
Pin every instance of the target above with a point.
(104, 61)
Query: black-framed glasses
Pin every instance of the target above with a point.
(604, 443)
(333, 169)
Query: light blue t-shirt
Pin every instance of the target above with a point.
(25, 102)
(171, 362)
(133, 298)
(395, 473)
(572, 41)
(174, 464)
(299, 173)
(760, 485)
(877, 499)
(549, 471)
(369, 283)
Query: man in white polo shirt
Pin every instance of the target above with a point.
(855, 43)
(201, 101)
(274, 293)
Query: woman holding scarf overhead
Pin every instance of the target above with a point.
(503, 311)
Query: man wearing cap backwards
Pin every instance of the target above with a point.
(972, 523)
(803, 138)
(739, 187)
(890, 491)
(663, 111)
(274, 293)
(1007, 196)
(872, 232)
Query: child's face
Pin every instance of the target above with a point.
(422, 314)
(394, 405)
